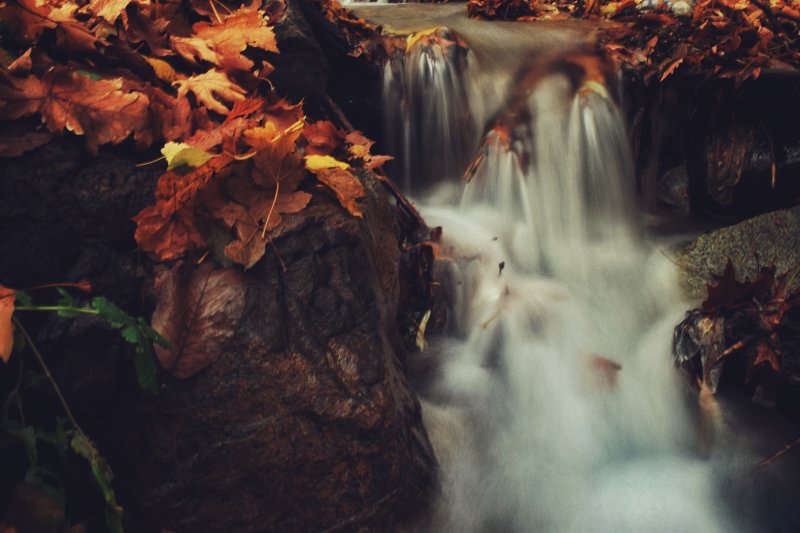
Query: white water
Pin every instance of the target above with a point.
(529, 434)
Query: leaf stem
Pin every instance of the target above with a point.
(49, 377)
(85, 310)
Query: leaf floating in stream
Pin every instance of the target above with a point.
(198, 311)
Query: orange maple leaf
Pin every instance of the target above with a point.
(222, 43)
(6, 325)
(211, 89)
(100, 109)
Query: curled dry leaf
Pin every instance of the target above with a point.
(198, 311)
(6, 325)
(167, 236)
(346, 187)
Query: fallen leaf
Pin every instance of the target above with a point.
(6, 325)
(183, 155)
(211, 89)
(222, 43)
(198, 311)
(321, 162)
(167, 236)
(345, 186)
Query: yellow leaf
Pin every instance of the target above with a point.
(319, 162)
(183, 155)
(163, 70)
(412, 39)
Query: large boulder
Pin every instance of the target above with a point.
(305, 422)
(765, 240)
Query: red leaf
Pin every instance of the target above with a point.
(6, 325)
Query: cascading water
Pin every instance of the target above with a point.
(556, 407)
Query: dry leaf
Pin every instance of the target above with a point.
(211, 90)
(168, 236)
(346, 187)
(198, 311)
(6, 325)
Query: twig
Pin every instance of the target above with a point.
(49, 377)
(780, 453)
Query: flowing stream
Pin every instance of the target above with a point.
(554, 405)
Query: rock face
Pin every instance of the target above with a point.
(769, 239)
(306, 422)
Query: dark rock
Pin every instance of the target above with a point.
(765, 240)
(306, 423)
(301, 70)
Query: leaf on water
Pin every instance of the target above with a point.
(198, 311)
(211, 89)
(181, 154)
(6, 324)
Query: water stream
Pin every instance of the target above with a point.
(555, 405)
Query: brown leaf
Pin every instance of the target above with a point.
(6, 325)
(323, 137)
(198, 311)
(168, 236)
(276, 160)
(346, 187)
(211, 89)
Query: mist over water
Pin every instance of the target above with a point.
(534, 428)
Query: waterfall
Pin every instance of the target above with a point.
(555, 406)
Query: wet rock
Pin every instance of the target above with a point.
(769, 239)
(306, 422)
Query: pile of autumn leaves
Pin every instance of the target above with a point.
(193, 77)
(721, 38)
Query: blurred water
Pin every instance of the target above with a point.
(534, 429)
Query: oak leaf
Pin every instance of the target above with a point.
(198, 311)
(6, 325)
(211, 89)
